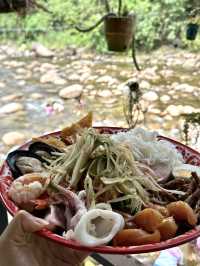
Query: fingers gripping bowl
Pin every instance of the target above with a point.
(133, 223)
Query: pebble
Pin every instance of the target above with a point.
(145, 85)
(105, 93)
(11, 97)
(150, 96)
(52, 77)
(42, 51)
(73, 76)
(173, 110)
(185, 88)
(165, 98)
(13, 138)
(107, 79)
(72, 91)
(2, 85)
(11, 108)
(36, 96)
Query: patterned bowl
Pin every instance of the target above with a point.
(190, 156)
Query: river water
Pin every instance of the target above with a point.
(169, 81)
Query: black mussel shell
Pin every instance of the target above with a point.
(12, 158)
(38, 146)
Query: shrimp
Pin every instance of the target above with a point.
(28, 187)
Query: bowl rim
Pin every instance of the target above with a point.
(179, 240)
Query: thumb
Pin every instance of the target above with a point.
(23, 223)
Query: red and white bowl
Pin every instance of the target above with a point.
(190, 156)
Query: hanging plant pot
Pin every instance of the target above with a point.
(7, 6)
(119, 32)
(192, 30)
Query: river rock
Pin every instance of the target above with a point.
(173, 110)
(36, 96)
(2, 85)
(13, 138)
(72, 91)
(42, 51)
(145, 85)
(185, 88)
(105, 93)
(21, 82)
(150, 96)
(165, 98)
(11, 97)
(47, 66)
(11, 108)
(107, 79)
(52, 77)
(73, 77)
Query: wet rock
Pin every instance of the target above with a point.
(13, 63)
(21, 70)
(42, 51)
(107, 79)
(72, 91)
(13, 138)
(2, 85)
(105, 93)
(21, 82)
(187, 109)
(47, 66)
(185, 88)
(167, 73)
(52, 77)
(150, 96)
(11, 97)
(73, 76)
(165, 98)
(145, 85)
(11, 108)
(36, 96)
(173, 110)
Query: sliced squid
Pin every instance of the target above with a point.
(98, 227)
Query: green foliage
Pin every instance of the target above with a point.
(158, 22)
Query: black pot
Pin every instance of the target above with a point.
(7, 6)
(192, 30)
(119, 33)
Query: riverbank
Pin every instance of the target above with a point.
(44, 92)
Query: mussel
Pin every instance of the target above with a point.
(22, 162)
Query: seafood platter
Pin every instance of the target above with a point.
(106, 190)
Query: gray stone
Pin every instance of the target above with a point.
(42, 51)
(105, 93)
(52, 77)
(150, 96)
(72, 91)
(11, 97)
(107, 79)
(2, 85)
(173, 110)
(165, 98)
(11, 108)
(13, 138)
(185, 88)
(145, 85)
(36, 96)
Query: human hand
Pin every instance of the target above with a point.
(19, 246)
